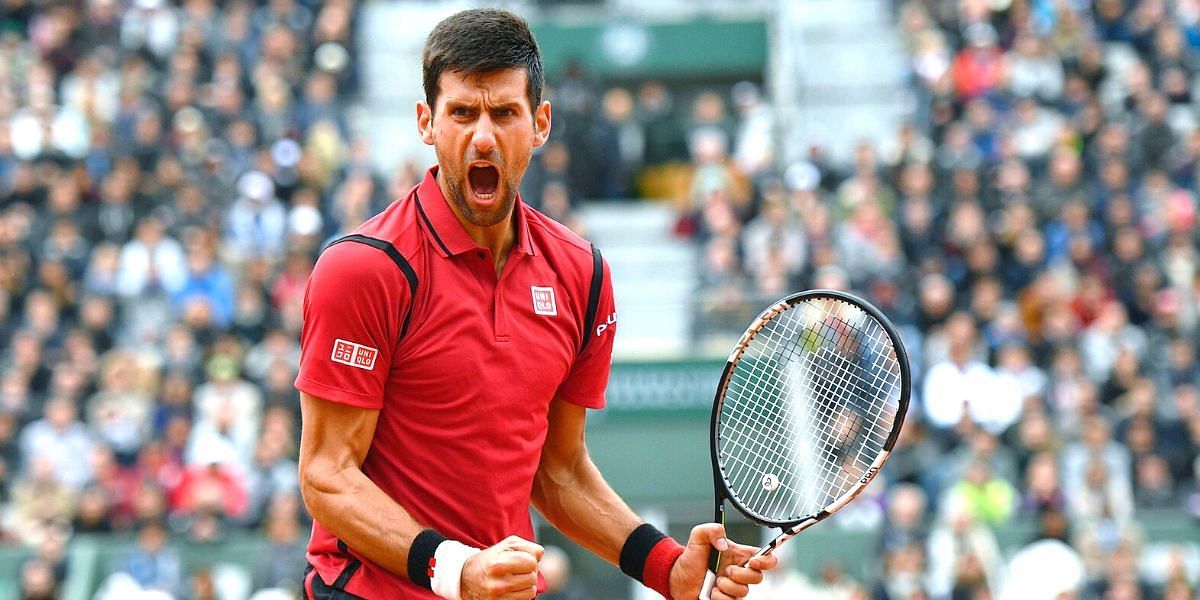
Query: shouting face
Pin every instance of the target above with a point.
(483, 130)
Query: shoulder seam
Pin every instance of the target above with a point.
(576, 241)
(398, 259)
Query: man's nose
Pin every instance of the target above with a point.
(484, 136)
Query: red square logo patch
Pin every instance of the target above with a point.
(543, 301)
(354, 355)
(343, 351)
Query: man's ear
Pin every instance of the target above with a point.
(541, 124)
(425, 122)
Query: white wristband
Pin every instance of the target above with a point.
(448, 561)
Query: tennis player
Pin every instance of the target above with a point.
(451, 347)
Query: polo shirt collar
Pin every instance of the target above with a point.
(444, 230)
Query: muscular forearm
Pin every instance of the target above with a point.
(360, 514)
(574, 497)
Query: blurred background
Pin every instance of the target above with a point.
(1012, 181)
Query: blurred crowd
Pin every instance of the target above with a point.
(168, 171)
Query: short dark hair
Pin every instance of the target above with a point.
(480, 41)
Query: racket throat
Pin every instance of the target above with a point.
(781, 539)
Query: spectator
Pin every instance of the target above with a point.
(58, 440)
(228, 414)
(962, 389)
(914, 456)
(272, 473)
(151, 264)
(41, 501)
(753, 147)
(318, 104)
(983, 496)
(120, 411)
(665, 138)
(1099, 452)
(977, 68)
(964, 558)
(116, 485)
(257, 221)
(907, 519)
(1120, 576)
(209, 498)
(980, 445)
(1153, 484)
(153, 564)
(1018, 375)
(774, 236)
(625, 141)
(1043, 488)
(37, 581)
(25, 359)
(1102, 498)
(285, 562)
(714, 181)
(208, 284)
(1032, 70)
(904, 575)
(556, 568)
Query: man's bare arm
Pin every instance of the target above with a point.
(572, 494)
(334, 441)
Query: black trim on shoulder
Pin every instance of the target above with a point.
(424, 217)
(401, 262)
(589, 320)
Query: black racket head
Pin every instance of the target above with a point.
(809, 405)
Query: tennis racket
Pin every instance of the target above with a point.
(807, 411)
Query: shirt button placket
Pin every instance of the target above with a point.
(500, 310)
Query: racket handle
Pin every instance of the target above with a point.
(710, 579)
(710, 575)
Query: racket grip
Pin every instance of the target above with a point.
(710, 579)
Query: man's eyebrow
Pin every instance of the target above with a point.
(514, 105)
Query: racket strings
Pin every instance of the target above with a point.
(808, 408)
(823, 461)
(826, 463)
(836, 375)
(833, 378)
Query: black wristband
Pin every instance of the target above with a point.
(420, 557)
(637, 548)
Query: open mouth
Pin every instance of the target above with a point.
(484, 180)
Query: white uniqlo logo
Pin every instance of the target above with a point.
(543, 301)
(354, 355)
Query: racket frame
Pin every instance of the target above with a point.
(721, 484)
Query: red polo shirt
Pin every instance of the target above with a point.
(463, 395)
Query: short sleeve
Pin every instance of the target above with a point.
(353, 307)
(588, 378)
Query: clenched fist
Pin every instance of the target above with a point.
(506, 571)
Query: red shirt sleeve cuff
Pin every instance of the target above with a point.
(332, 394)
